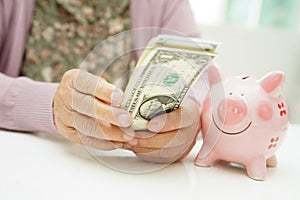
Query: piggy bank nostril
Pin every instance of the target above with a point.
(235, 110)
(238, 110)
(232, 111)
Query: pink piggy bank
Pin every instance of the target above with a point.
(244, 121)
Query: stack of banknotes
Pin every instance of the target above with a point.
(164, 74)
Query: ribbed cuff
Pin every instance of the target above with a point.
(31, 105)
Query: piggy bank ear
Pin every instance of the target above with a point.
(272, 82)
(214, 75)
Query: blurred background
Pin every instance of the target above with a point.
(258, 36)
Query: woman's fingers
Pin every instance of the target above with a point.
(91, 127)
(163, 155)
(166, 152)
(92, 85)
(84, 113)
(167, 139)
(74, 136)
(92, 96)
(99, 144)
(94, 128)
(92, 107)
(166, 155)
(184, 116)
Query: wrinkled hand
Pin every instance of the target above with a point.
(172, 135)
(86, 111)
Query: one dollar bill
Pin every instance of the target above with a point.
(166, 71)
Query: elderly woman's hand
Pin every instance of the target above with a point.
(172, 135)
(86, 111)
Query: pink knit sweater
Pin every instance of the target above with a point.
(26, 105)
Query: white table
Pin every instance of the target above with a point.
(48, 167)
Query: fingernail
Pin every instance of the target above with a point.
(155, 126)
(116, 97)
(124, 120)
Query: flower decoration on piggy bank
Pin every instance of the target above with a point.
(244, 121)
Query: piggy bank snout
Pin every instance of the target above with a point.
(232, 111)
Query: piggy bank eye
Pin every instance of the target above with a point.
(230, 93)
(242, 94)
(265, 111)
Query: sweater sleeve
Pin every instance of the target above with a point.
(178, 16)
(26, 105)
(174, 15)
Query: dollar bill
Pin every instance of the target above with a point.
(166, 71)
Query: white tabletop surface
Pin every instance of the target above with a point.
(38, 166)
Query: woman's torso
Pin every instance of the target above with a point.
(64, 32)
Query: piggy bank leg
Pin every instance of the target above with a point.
(272, 161)
(206, 161)
(256, 168)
